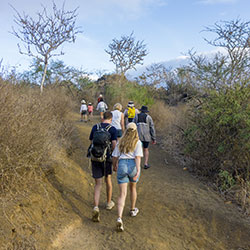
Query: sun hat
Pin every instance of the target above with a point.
(90, 103)
(144, 109)
(83, 101)
(132, 126)
(131, 104)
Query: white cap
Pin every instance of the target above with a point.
(132, 126)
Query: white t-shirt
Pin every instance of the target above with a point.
(101, 105)
(116, 120)
(131, 155)
(83, 108)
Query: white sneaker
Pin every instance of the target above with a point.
(110, 205)
(134, 212)
(119, 225)
(96, 214)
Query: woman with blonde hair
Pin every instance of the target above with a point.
(118, 119)
(126, 161)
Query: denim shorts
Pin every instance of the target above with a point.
(119, 133)
(126, 171)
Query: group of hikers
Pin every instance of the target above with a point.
(117, 144)
(86, 111)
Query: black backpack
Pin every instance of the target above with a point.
(101, 145)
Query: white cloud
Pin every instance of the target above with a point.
(216, 1)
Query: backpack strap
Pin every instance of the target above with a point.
(108, 127)
(98, 126)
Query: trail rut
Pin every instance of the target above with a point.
(177, 212)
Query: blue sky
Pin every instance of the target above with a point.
(169, 28)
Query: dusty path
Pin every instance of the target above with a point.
(176, 212)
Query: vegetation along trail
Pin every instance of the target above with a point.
(177, 211)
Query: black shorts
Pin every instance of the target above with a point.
(98, 169)
(145, 144)
(84, 112)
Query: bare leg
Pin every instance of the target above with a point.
(122, 198)
(97, 192)
(108, 188)
(133, 194)
(146, 155)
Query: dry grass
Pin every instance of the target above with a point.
(31, 125)
(170, 124)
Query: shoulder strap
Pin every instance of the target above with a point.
(98, 126)
(108, 127)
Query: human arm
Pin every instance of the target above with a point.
(138, 167)
(152, 129)
(115, 163)
(122, 122)
(113, 144)
(94, 128)
(115, 157)
(98, 106)
(138, 153)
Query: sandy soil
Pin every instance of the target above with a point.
(177, 211)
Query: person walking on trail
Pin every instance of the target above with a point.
(146, 131)
(83, 111)
(90, 110)
(103, 141)
(101, 107)
(118, 119)
(126, 161)
(100, 97)
(130, 113)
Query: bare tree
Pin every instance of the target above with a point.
(234, 36)
(42, 36)
(126, 53)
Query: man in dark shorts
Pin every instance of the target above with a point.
(146, 131)
(103, 169)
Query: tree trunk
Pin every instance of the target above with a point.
(44, 74)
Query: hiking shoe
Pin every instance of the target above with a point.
(110, 205)
(146, 166)
(134, 212)
(96, 214)
(119, 225)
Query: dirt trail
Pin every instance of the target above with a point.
(176, 212)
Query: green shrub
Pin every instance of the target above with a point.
(126, 91)
(226, 180)
(220, 132)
